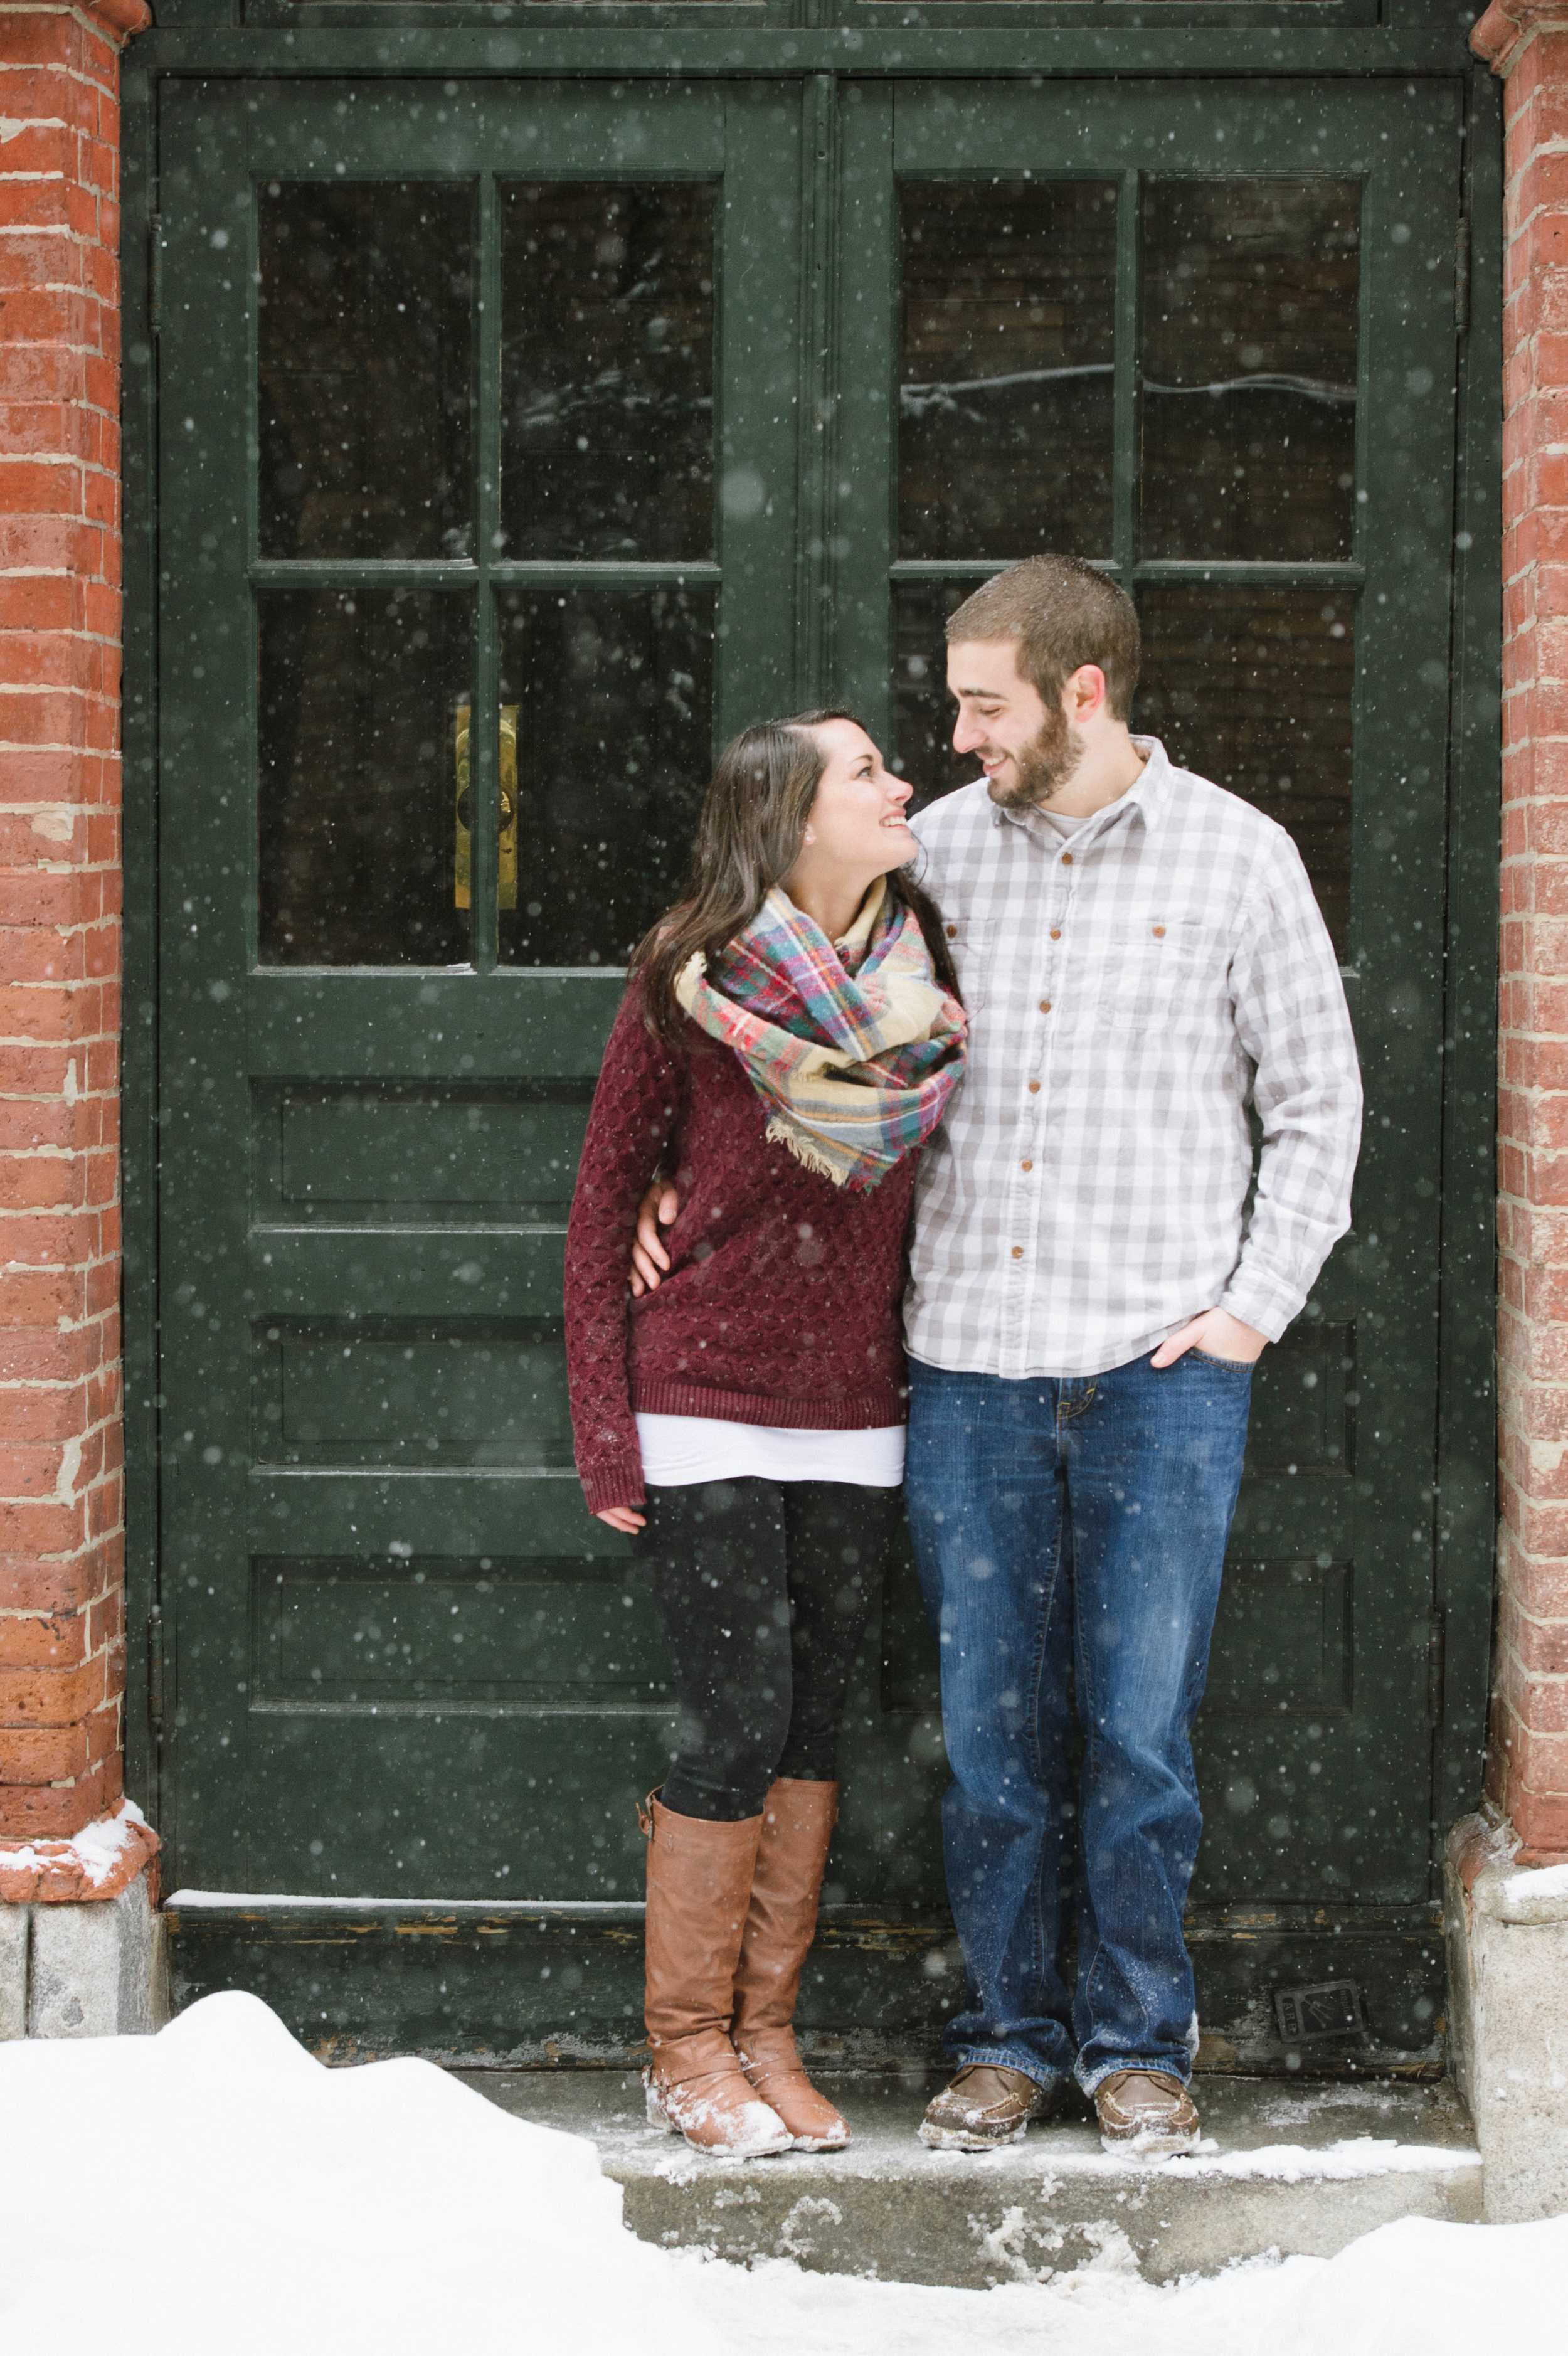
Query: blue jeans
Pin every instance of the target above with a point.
(1070, 1534)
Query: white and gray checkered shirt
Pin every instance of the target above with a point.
(1129, 989)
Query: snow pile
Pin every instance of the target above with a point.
(246, 2199)
(263, 2202)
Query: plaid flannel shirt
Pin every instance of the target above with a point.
(1130, 990)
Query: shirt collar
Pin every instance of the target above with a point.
(1149, 794)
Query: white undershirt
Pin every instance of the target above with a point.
(679, 1450)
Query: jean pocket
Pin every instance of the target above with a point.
(1231, 1366)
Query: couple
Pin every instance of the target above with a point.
(1116, 958)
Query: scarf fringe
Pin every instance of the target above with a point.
(782, 1131)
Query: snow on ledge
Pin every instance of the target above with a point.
(1279, 2163)
(98, 1862)
(1538, 1895)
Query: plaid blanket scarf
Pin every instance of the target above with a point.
(857, 1053)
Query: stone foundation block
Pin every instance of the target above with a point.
(13, 1971)
(1508, 1974)
(89, 1970)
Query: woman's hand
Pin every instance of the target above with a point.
(625, 1518)
(658, 1208)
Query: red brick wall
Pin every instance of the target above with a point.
(61, 1552)
(1527, 1765)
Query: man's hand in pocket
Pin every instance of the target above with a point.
(1219, 1336)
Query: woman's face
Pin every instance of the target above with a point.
(857, 824)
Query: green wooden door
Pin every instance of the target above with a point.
(520, 441)
(1205, 336)
(479, 469)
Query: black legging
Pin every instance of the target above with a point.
(763, 1588)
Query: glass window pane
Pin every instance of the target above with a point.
(1006, 374)
(365, 369)
(1251, 688)
(1248, 354)
(613, 688)
(360, 693)
(607, 370)
(921, 748)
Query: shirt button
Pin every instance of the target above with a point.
(1067, 858)
(1017, 1251)
(1056, 932)
(1045, 1006)
(1160, 932)
(1034, 1087)
(1027, 1165)
(953, 932)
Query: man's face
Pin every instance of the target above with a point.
(1027, 747)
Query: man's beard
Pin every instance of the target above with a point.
(1044, 764)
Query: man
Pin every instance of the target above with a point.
(1142, 955)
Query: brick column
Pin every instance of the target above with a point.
(1528, 1762)
(61, 1532)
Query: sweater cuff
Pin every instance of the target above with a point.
(614, 1484)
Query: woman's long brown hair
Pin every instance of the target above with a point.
(748, 838)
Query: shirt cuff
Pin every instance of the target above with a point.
(1261, 1301)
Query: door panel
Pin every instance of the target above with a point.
(1205, 338)
(486, 434)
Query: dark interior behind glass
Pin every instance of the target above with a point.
(1005, 381)
(365, 382)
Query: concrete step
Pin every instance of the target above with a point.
(1299, 2166)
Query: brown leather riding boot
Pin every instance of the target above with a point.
(787, 1883)
(699, 1881)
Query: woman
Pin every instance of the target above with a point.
(790, 1035)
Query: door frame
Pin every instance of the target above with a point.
(1044, 44)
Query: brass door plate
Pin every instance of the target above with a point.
(461, 892)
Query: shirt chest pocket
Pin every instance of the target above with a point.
(972, 944)
(1157, 974)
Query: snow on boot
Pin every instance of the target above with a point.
(1145, 2111)
(786, 1883)
(700, 1880)
(984, 2107)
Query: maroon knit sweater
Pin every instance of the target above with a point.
(782, 1301)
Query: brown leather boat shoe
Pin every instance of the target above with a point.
(1145, 2111)
(985, 2105)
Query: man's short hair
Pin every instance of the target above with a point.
(1063, 614)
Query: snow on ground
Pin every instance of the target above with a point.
(244, 2198)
